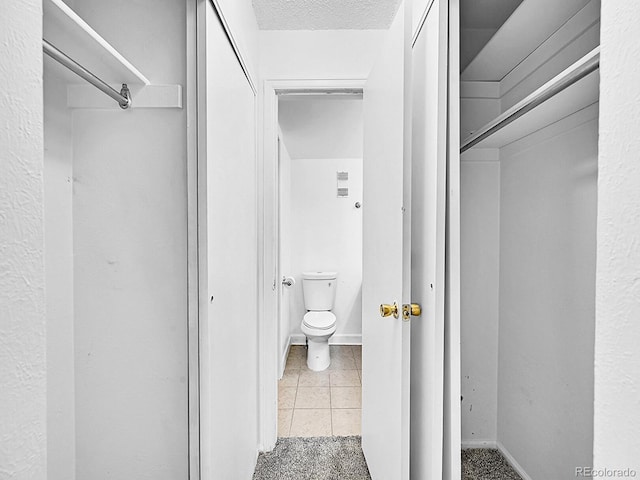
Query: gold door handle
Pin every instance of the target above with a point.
(411, 310)
(387, 310)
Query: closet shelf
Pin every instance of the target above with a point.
(65, 34)
(528, 26)
(63, 28)
(572, 90)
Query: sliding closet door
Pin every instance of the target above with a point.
(228, 261)
(428, 199)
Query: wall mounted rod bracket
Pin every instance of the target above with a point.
(124, 91)
(123, 97)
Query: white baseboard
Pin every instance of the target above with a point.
(468, 444)
(337, 339)
(283, 359)
(512, 461)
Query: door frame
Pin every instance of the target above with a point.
(268, 332)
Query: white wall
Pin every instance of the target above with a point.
(617, 357)
(58, 189)
(23, 434)
(547, 287)
(479, 269)
(322, 126)
(479, 260)
(130, 271)
(324, 135)
(326, 235)
(319, 54)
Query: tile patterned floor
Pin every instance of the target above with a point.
(321, 404)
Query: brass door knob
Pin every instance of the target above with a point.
(411, 310)
(388, 310)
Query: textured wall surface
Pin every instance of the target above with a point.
(22, 300)
(617, 358)
(325, 14)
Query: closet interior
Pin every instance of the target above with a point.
(115, 268)
(529, 150)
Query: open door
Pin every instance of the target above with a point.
(404, 221)
(386, 257)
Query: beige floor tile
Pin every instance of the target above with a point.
(340, 351)
(289, 379)
(346, 397)
(284, 422)
(356, 350)
(293, 363)
(357, 355)
(311, 423)
(344, 378)
(309, 378)
(346, 421)
(342, 363)
(286, 397)
(299, 351)
(313, 397)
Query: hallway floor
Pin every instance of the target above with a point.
(486, 464)
(321, 404)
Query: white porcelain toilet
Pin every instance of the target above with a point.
(319, 323)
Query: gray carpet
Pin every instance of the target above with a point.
(486, 464)
(341, 458)
(315, 458)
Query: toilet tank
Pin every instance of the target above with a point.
(319, 290)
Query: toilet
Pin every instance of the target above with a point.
(319, 323)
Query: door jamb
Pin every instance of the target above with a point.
(268, 334)
(194, 59)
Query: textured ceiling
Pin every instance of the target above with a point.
(325, 14)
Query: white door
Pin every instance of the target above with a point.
(386, 258)
(228, 255)
(403, 258)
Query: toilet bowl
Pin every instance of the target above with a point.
(318, 328)
(319, 323)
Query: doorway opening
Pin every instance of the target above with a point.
(318, 217)
(277, 337)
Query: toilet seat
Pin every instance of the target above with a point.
(319, 320)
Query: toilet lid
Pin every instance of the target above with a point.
(319, 320)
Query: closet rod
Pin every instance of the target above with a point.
(583, 67)
(123, 97)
